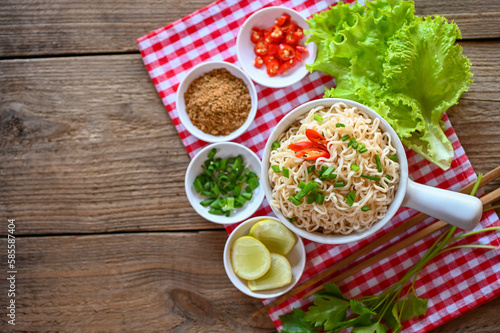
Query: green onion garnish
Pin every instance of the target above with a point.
(393, 158)
(354, 167)
(311, 186)
(365, 208)
(198, 187)
(275, 145)
(293, 219)
(311, 169)
(276, 168)
(379, 165)
(377, 179)
(339, 183)
(207, 202)
(311, 197)
(350, 198)
(339, 125)
(363, 150)
(286, 172)
(253, 183)
(320, 198)
(247, 195)
(212, 153)
(345, 137)
(328, 174)
(318, 118)
(294, 200)
(302, 184)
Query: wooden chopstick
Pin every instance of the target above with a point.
(490, 176)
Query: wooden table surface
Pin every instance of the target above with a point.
(92, 170)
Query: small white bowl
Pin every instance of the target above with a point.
(296, 257)
(195, 73)
(224, 150)
(263, 19)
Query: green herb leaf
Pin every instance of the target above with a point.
(373, 328)
(294, 322)
(411, 307)
(327, 311)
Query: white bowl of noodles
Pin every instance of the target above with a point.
(367, 178)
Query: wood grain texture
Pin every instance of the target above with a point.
(161, 282)
(29, 28)
(88, 146)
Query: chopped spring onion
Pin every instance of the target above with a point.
(311, 186)
(328, 174)
(212, 153)
(253, 182)
(247, 195)
(379, 165)
(320, 198)
(318, 118)
(362, 150)
(350, 198)
(365, 208)
(275, 145)
(302, 184)
(207, 202)
(354, 167)
(293, 219)
(339, 125)
(311, 197)
(311, 169)
(198, 187)
(286, 172)
(345, 137)
(294, 200)
(276, 168)
(339, 183)
(377, 179)
(393, 158)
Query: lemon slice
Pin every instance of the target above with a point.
(275, 236)
(279, 275)
(250, 258)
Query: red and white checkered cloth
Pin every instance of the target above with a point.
(454, 283)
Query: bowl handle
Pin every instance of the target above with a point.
(461, 210)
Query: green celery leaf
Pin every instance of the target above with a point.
(373, 328)
(294, 322)
(327, 311)
(391, 318)
(411, 307)
(358, 308)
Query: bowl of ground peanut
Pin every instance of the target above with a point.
(216, 101)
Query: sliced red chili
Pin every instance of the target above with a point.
(298, 33)
(286, 52)
(273, 49)
(290, 39)
(286, 65)
(316, 137)
(272, 67)
(258, 62)
(276, 34)
(298, 55)
(284, 19)
(256, 35)
(298, 146)
(261, 48)
(301, 49)
(288, 27)
(312, 154)
(268, 58)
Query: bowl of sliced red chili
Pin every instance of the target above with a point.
(270, 47)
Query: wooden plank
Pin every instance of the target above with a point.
(39, 27)
(161, 282)
(87, 146)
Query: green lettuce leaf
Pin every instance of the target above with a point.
(406, 68)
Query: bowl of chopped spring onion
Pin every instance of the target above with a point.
(222, 183)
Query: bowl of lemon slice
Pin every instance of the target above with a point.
(263, 258)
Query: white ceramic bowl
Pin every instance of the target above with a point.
(224, 150)
(263, 19)
(455, 208)
(195, 73)
(296, 257)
